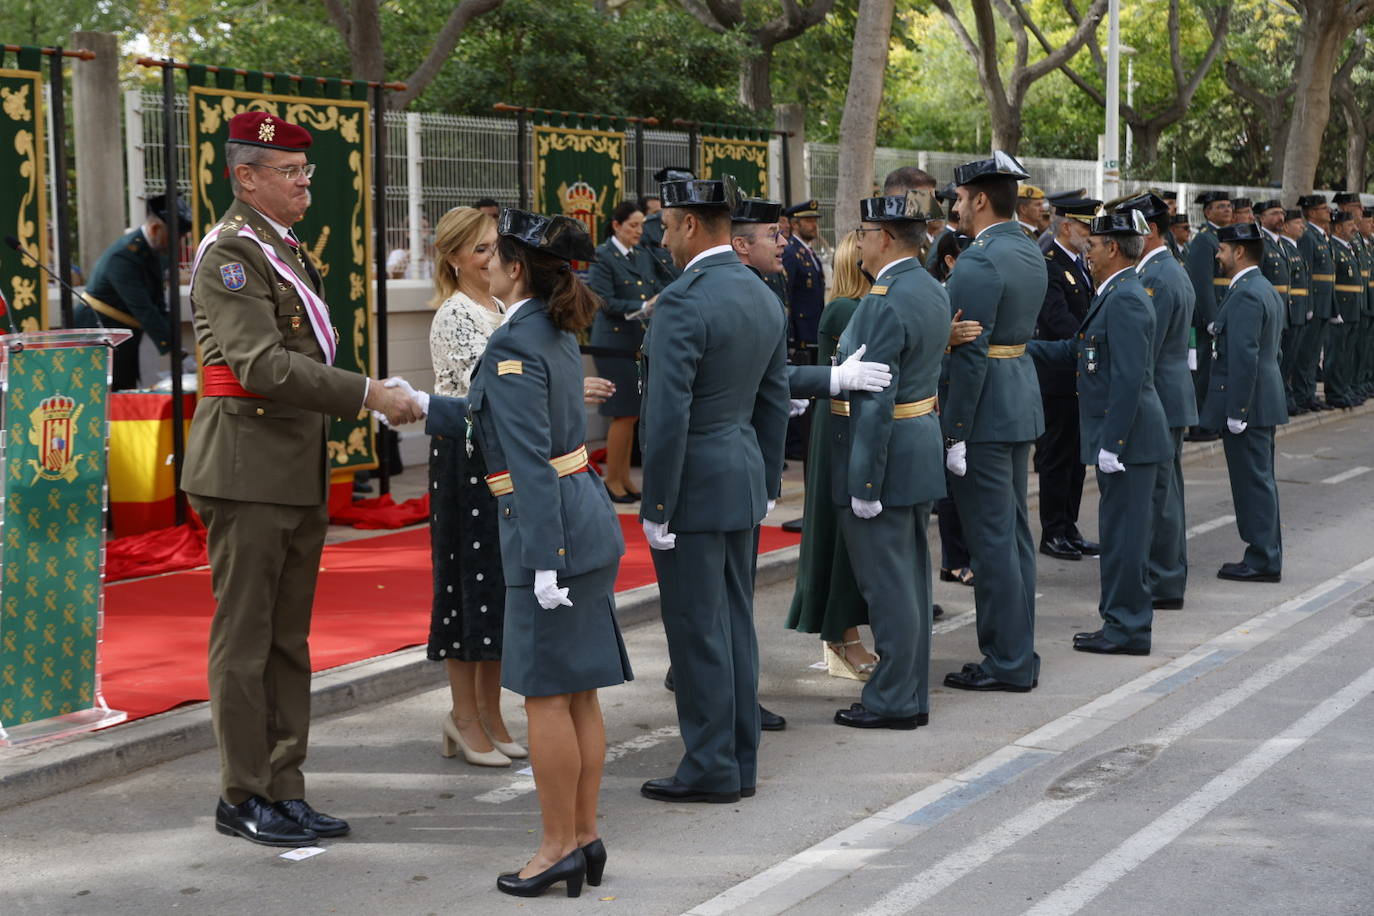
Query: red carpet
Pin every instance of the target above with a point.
(373, 598)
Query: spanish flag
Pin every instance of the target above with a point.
(142, 475)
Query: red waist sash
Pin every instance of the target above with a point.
(219, 382)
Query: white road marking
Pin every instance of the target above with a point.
(1213, 525)
(954, 623)
(523, 785)
(1347, 475)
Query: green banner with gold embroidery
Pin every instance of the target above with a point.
(54, 458)
(579, 173)
(23, 205)
(747, 160)
(337, 229)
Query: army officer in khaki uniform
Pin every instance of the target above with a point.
(257, 472)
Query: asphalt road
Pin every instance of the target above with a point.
(1228, 772)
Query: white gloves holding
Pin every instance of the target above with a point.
(1109, 462)
(855, 375)
(547, 592)
(396, 381)
(865, 508)
(1336, 319)
(656, 533)
(1236, 426)
(799, 405)
(772, 504)
(956, 459)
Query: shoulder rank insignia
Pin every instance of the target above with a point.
(233, 276)
(878, 291)
(510, 367)
(1069, 276)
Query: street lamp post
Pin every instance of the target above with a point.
(1111, 164)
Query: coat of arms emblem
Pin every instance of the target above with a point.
(52, 426)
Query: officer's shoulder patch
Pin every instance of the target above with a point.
(233, 275)
(878, 290)
(510, 367)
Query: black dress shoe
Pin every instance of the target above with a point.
(1101, 645)
(1167, 604)
(671, 789)
(300, 811)
(793, 525)
(572, 868)
(1061, 548)
(973, 677)
(748, 792)
(770, 721)
(668, 680)
(1239, 572)
(1095, 634)
(1087, 548)
(1198, 434)
(936, 612)
(258, 821)
(595, 854)
(623, 498)
(856, 716)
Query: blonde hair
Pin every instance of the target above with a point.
(460, 229)
(850, 282)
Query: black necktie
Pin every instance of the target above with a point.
(304, 257)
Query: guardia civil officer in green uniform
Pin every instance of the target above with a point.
(1182, 233)
(1299, 301)
(1124, 429)
(1208, 287)
(1171, 294)
(1365, 378)
(1170, 198)
(1246, 398)
(1277, 266)
(992, 417)
(126, 289)
(1357, 328)
(711, 432)
(1315, 246)
(1348, 295)
(887, 457)
(653, 222)
(257, 472)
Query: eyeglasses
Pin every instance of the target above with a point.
(862, 230)
(291, 172)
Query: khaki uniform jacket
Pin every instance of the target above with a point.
(268, 449)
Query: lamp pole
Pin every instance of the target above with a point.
(1111, 165)
(1130, 101)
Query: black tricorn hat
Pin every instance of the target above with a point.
(919, 205)
(1167, 194)
(700, 192)
(1240, 232)
(1368, 212)
(1001, 165)
(1149, 205)
(949, 193)
(756, 210)
(1211, 197)
(1241, 203)
(1295, 213)
(157, 206)
(1266, 205)
(561, 236)
(673, 173)
(1309, 201)
(1345, 197)
(1341, 216)
(1179, 219)
(1127, 222)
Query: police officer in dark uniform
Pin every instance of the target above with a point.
(1181, 230)
(126, 289)
(1315, 245)
(1299, 300)
(805, 282)
(1067, 297)
(1170, 198)
(1208, 286)
(1347, 306)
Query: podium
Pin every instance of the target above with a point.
(53, 450)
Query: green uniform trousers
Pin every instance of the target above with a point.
(706, 588)
(992, 509)
(1364, 354)
(264, 560)
(898, 591)
(1255, 495)
(1168, 564)
(1338, 363)
(1288, 357)
(1310, 344)
(1124, 508)
(1202, 375)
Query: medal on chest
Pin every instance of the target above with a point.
(1090, 355)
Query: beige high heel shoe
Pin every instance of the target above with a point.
(453, 743)
(837, 664)
(509, 748)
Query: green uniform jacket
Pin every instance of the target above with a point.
(1208, 283)
(1118, 408)
(1275, 268)
(1366, 248)
(1349, 290)
(527, 408)
(1169, 290)
(268, 449)
(653, 240)
(715, 409)
(1245, 382)
(1315, 246)
(624, 283)
(904, 322)
(129, 276)
(1299, 296)
(1000, 282)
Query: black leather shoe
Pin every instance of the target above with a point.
(572, 868)
(793, 525)
(1087, 548)
(668, 680)
(1296, 411)
(595, 854)
(257, 821)
(1167, 604)
(1095, 634)
(856, 716)
(748, 792)
(936, 612)
(973, 677)
(1198, 434)
(671, 789)
(1061, 548)
(300, 811)
(1101, 645)
(771, 721)
(1239, 572)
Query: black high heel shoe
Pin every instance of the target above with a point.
(572, 868)
(595, 853)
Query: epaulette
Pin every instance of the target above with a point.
(229, 226)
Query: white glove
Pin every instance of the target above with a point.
(1309, 316)
(397, 382)
(865, 508)
(1109, 462)
(798, 405)
(547, 592)
(855, 375)
(656, 533)
(956, 459)
(1212, 328)
(772, 504)
(1236, 426)
(1336, 319)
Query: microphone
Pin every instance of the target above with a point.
(13, 242)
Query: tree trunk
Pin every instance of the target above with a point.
(1006, 128)
(1146, 140)
(756, 80)
(365, 41)
(1320, 44)
(859, 123)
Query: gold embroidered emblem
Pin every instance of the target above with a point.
(266, 131)
(510, 367)
(295, 322)
(878, 291)
(52, 426)
(1068, 276)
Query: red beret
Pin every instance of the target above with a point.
(258, 128)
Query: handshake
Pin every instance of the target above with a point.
(394, 402)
